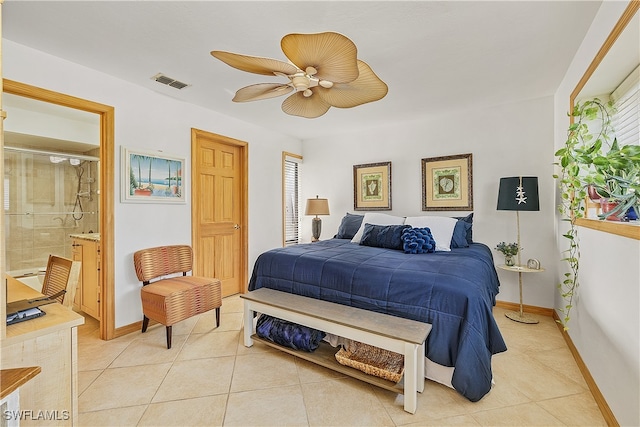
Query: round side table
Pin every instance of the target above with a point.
(520, 316)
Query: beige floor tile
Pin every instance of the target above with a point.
(577, 410)
(196, 378)
(534, 379)
(537, 382)
(529, 414)
(435, 402)
(460, 420)
(264, 370)
(232, 304)
(183, 327)
(344, 402)
(97, 354)
(201, 411)
(502, 395)
(257, 347)
(116, 417)
(282, 406)
(311, 373)
(561, 360)
(120, 387)
(200, 346)
(149, 351)
(228, 322)
(86, 378)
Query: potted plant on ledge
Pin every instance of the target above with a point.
(616, 179)
(591, 163)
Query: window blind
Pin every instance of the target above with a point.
(626, 101)
(291, 202)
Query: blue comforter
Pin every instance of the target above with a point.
(453, 291)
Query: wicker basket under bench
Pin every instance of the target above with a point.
(392, 333)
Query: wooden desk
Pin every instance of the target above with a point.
(51, 342)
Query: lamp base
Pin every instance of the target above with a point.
(316, 229)
(522, 318)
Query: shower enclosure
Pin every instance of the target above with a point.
(48, 195)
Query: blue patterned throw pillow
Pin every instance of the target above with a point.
(383, 236)
(418, 241)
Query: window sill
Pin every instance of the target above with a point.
(625, 229)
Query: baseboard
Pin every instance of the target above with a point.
(526, 308)
(124, 330)
(133, 327)
(607, 414)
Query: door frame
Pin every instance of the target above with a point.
(107, 160)
(197, 134)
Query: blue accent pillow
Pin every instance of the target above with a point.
(468, 219)
(349, 226)
(383, 236)
(459, 237)
(418, 241)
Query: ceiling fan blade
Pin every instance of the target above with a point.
(366, 88)
(308, 107)
(261, 91)
(254, 64)
(333, 55)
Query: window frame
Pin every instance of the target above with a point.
(293, 158)
(621, 229)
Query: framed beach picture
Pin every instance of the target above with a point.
(372, 187)
(447, 183)
(151, 177)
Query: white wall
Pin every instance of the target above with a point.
(605, 324)
(146, 120)
(509, 140)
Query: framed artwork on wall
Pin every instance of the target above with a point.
(447, 183)
(372, 187)
(151, 177)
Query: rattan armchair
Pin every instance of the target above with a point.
(169, 300)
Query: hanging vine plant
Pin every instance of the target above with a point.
(590, 131)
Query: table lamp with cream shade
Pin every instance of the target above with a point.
(519, 193)
(317, 207)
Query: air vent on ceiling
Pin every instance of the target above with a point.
(161, 78)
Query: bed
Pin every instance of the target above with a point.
(452, 290)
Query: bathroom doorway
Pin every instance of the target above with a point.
(58, 185)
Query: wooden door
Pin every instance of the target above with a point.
(219, 209)
(76, 250)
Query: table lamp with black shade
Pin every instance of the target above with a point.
(519, 193)
(317, 207)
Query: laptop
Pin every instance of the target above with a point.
(26, 309)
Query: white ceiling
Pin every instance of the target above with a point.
(436, 56)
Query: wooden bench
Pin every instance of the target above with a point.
(392, 333)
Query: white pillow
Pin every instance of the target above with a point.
(441, 228)
(375, 218)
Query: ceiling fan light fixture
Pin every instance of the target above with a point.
(338, 78)
(300, 81)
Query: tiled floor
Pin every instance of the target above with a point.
(209, 378)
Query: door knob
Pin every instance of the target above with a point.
(236, 226)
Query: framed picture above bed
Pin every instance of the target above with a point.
(447, 183)
(372, 187)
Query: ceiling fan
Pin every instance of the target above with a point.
(324, 72)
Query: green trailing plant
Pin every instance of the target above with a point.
(574, 159)
(591, 157)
